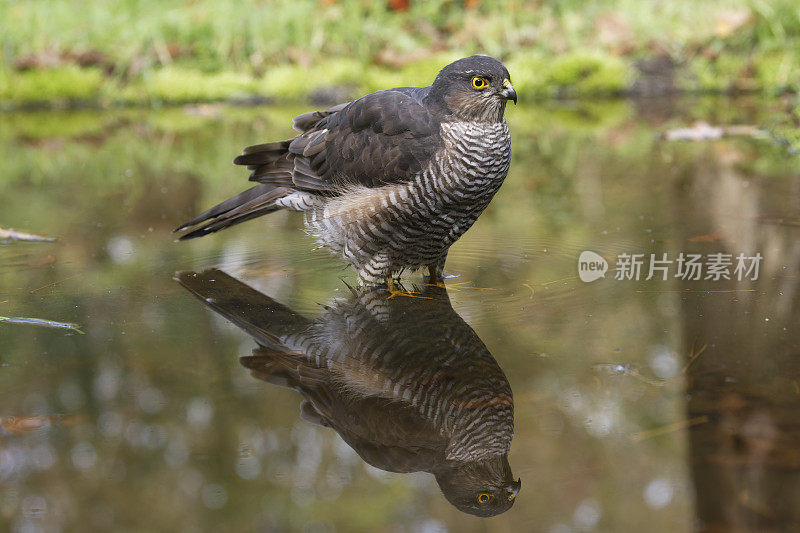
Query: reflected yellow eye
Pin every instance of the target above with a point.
(479, 82)
(484, 497)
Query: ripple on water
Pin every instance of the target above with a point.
(524, 272)
(533, 273)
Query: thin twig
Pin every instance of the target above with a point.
(669, 428)
(42, 323)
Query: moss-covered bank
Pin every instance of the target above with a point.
(141, 52)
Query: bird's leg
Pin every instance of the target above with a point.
(377, 270)
(436, 272)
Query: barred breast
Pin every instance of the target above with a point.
(384, 230)
(421, 354)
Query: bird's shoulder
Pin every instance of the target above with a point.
(389, 112)
(381, 138)
(385, 137)
(391, 437)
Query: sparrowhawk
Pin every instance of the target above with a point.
(405, 382)
(388, 181)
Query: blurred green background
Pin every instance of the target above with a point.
(148, 422)
(146, 52)
(155, 426)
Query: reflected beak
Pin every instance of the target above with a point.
(513, 490)
(508, 91)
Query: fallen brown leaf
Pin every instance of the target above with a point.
(24, 424)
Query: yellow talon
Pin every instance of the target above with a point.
(394, 291)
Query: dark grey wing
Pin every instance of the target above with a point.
(388, 435)
(383, 137)
(307, 121)
(391, 436)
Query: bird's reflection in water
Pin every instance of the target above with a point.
(404, 381)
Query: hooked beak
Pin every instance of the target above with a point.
(508, 91)
(513, 489)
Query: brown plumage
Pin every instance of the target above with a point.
(388, 181)
(405, 382)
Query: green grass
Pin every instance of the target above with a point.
(61, 85)
(60, 52)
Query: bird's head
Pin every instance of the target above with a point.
(474, 88)
(482, 488)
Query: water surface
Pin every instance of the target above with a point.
(669, 404)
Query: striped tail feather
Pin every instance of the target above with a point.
(280, 168)
(268, 322)
(252, 203)
(252, 311)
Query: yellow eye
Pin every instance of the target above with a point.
(484, 498)
(479, 82)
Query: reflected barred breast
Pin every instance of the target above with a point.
(447, 374)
